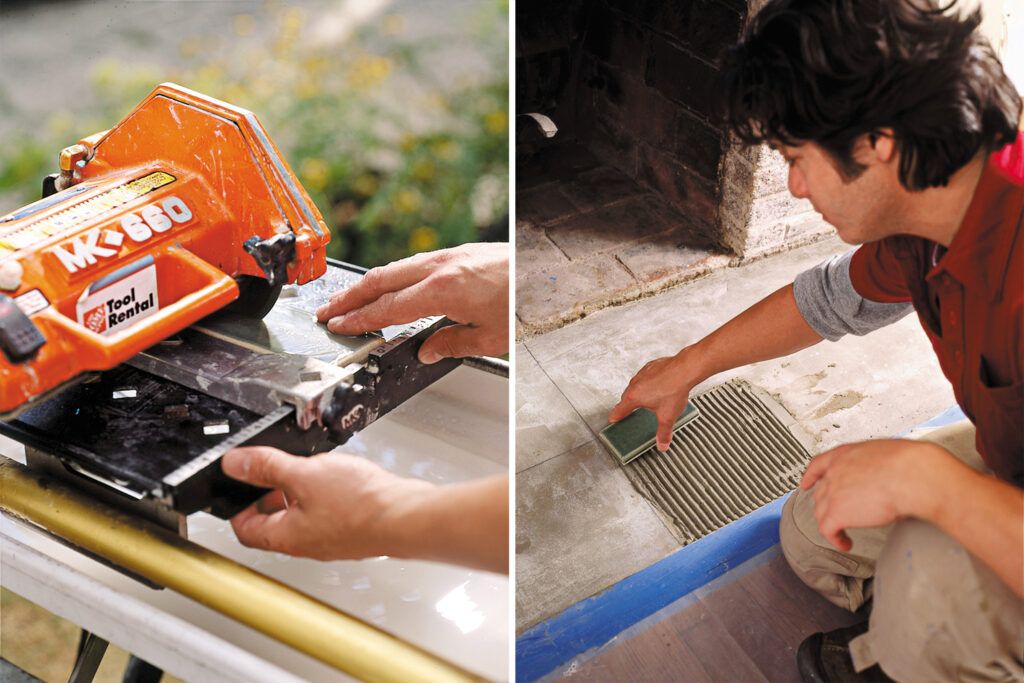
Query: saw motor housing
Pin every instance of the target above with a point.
(150, 227)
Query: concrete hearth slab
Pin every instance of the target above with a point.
(610, 227)
(661, 264)
(548, 297)
(546, 424)
(534, 250)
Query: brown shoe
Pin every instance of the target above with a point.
(825, 658)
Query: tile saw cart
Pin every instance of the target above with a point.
(156, 310)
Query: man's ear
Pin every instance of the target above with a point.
(878, 145)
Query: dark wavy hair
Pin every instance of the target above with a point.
(829, 71)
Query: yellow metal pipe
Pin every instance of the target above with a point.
(270, 607)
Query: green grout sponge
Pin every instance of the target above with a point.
(630, 437)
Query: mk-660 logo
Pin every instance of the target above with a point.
(86, 249)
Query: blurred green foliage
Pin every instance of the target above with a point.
(397, 156)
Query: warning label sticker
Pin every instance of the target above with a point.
(27, 235)
(32, 302)
(120, 304)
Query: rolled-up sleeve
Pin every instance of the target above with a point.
(827, 300)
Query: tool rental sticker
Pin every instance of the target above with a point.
(119, 301)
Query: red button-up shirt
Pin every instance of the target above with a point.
(970, 300)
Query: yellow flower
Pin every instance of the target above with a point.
(366, 184)
(292, 19)
(210, 73)
(423, 169)
(315, 64)
(367, 71)
(244, 24)
(423, 238)
(408, 201)
(282, 47)
(306, 88)
(445, 149)
(235, 94)
(315, 172)
(394, 24)
(407, 142)
(496, 122)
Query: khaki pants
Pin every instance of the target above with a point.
(939, 614)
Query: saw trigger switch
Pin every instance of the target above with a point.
(19, 337)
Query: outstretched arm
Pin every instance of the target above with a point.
(339, 507)
(771, 328)
(821, 304)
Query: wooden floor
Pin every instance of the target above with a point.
(745, 626)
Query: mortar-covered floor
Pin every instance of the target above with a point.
(580, 525)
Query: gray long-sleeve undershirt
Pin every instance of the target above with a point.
(828, 302)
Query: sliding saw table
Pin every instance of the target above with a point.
(453, 430)
(149, 434)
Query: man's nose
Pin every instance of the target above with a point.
(797, 185)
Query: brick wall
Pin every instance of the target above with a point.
(548, 43)
(757, 215)
(645, 94)
(633, 81)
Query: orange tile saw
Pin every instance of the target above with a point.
(182, 208)
(113, 371)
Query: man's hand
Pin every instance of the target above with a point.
(339, 507)
(327, 507)
(872, 484)
(468, 284)
(663, 387)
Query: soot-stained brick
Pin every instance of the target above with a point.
(681, 77)
(687, 192)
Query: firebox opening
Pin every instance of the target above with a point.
(624, 199)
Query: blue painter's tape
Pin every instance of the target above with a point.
(951, 415)
(593, 622)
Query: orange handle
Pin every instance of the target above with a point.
(210, 289)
